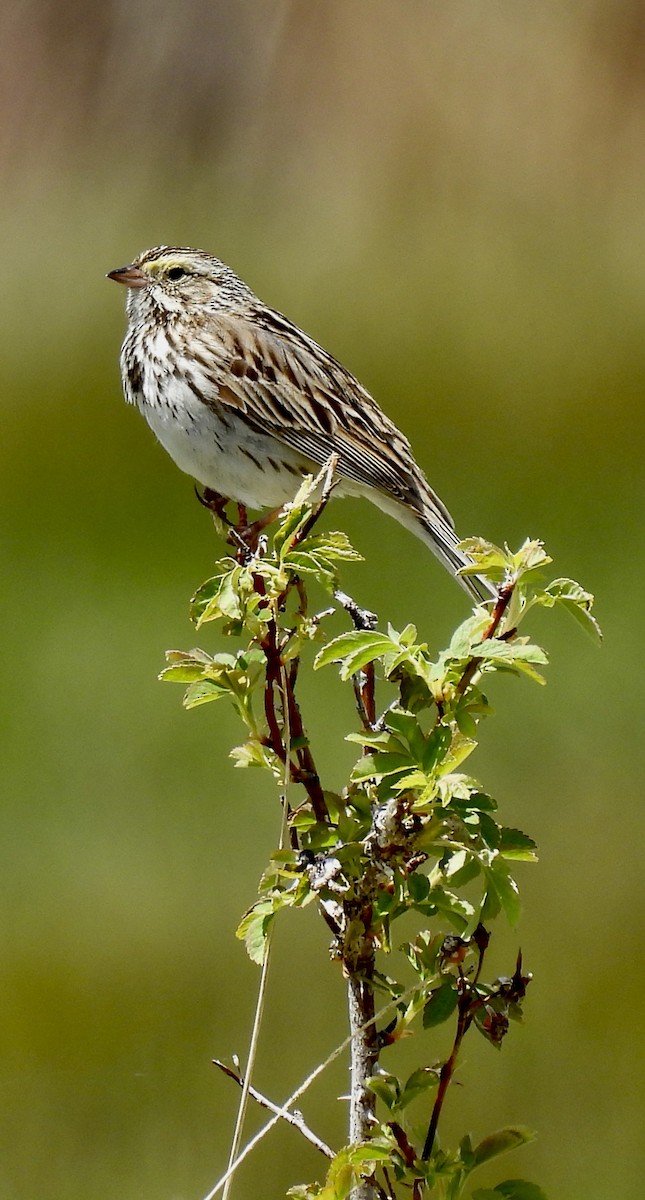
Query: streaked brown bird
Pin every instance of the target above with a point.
(248, 404)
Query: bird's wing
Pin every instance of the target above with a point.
(283, 383)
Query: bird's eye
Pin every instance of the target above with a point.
(176, 273)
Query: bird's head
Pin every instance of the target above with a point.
(176, 279)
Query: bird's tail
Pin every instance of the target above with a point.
(444, 543)
(434, 526)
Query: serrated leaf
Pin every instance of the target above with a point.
(501, 1142)
(335, 545)
(342, 1184)
(473, 800)
(491, 905)
(254, 754)
(468, 635)
(188, 672)
(488, 558)
(380, 765)
(517, 845)
(253, 929)
(384, 740)
(203, 693)
(516, 653)
(224, 603)
(460, 749)
(305, 563)
(415, 780)
(578, 602)
(354, 651)
(531, 556)
(196, 656)
(489, 830)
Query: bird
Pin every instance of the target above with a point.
(248, 404)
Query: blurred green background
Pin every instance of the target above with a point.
(450, 197)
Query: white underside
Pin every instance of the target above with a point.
(205, 446)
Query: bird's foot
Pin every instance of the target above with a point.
(245, 535)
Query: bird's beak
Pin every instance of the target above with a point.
(132, 276)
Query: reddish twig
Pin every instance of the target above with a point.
(467, 1005)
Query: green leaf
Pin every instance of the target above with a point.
(418, 887)
(505, 889)
(424, 952)
(253, 929)
(342, 1183)
(419, 1082)
(383, 740)
(386, 1087)
(490, 831)
(218, 597)
(517, 653)
(488, 559)
(406, 725)
(517, 845)
(459, 750)
(572, 597)
(466, 723)
(380, 765)
(415, 780)
(203, 693)
(473, 801)
(351, 1164)
(456, 908)
(332, 546)
(441, 1005)
(519, 1189)
(437, 745)
(182, 673)
(254, 754)
(367, 1152)
(354, 651)
(500, 1142)
(189, 666)
(466, 1151)
(461, 869)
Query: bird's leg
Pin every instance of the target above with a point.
(248, 532)
(215, 503)
(242, 534)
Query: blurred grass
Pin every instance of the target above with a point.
(449, 200)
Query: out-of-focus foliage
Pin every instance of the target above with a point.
(449, 197)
